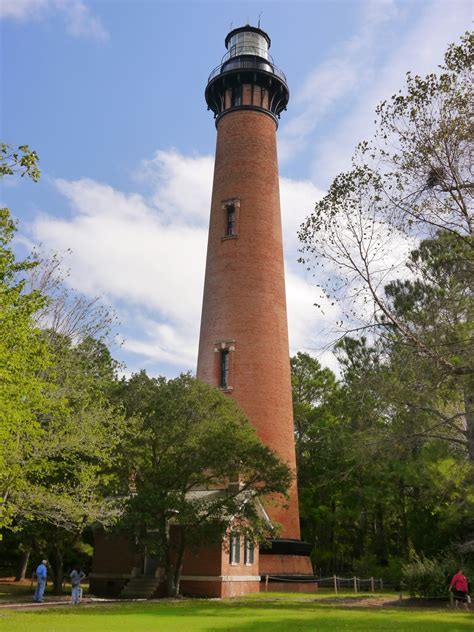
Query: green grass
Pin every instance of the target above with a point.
(272, 613)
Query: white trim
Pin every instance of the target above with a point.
(221, 578)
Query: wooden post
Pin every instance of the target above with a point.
(372, 586)
(355, 584)
(335, 584)
(381, 584)
(266, 583)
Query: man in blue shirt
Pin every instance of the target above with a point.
(41, 573)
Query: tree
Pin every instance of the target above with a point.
(376, 482)
(411, 182)
(67, 313)
(68, 487)
(185, 435)
(438, 305)
(25, 355)
(57, 426)
(312, 385)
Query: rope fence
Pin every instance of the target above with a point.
(358, 584)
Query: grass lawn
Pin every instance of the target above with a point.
(272, 613)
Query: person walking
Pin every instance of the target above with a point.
(76, 590)
(459, 583)
(41, 575)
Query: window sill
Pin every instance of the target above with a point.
(226, 389)
(226, 237)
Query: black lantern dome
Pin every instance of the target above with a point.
(247, 78)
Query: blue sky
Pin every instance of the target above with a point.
(110, 94)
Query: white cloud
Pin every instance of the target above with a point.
(298, 198)
(23, 9)
(122, 248)
(182, 185)
(79, 20)
(146, 256)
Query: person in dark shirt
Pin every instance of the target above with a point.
(76, 591)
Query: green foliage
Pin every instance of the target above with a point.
(24, 391)
(376, 480)
(22, 160)
(312, 386)
(24, 354)
(424, 577)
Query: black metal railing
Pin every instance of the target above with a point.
(247, 63)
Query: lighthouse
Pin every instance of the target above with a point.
(243, 345)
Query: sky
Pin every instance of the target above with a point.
(110, 93)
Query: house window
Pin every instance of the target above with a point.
(224, 377)
(234, 556)
(230, 220)
(249, 551)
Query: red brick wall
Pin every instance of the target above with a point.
(113, 554)
(218, 588)
(206, 560)
(244, 293)
(285, 565)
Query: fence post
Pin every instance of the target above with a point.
(355, 585)
(381, 583)
(335, 584)
(372, 587)
(266, 583)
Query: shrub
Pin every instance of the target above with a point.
(368, 566)
(424, 577)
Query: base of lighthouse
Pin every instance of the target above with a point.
(120, 570)
(285, 566)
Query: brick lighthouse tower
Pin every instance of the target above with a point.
(243, 347)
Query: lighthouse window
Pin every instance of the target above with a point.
(237, 96)
(230, 220)
(234, 556)
(224, 381)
